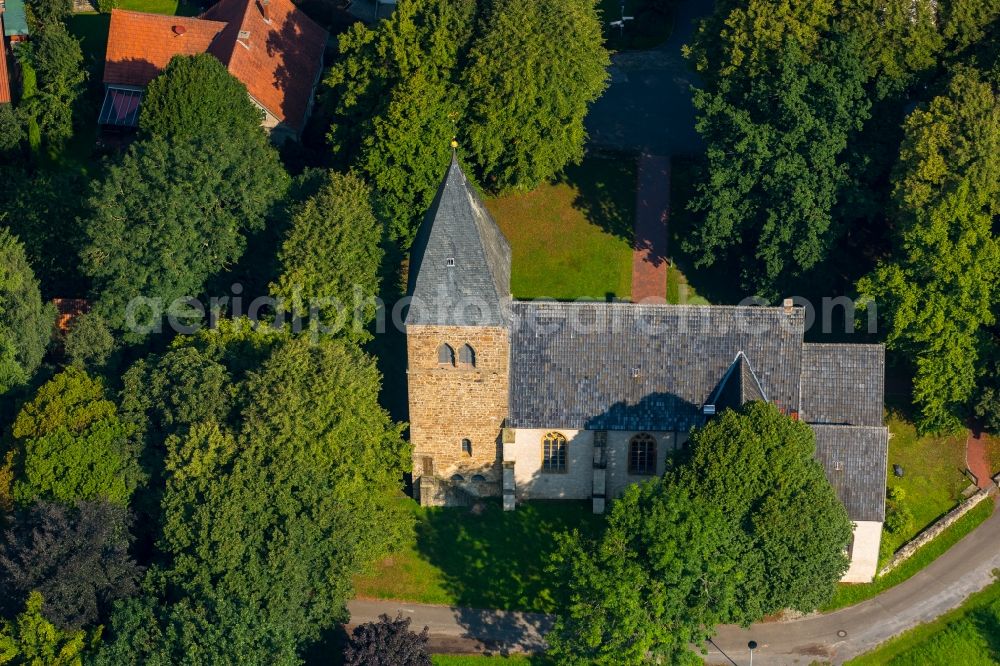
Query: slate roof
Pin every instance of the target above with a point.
(855, 458)
(279, 62)
(843, 383)
(458, 230)
(624, 366)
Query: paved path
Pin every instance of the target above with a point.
(976, 457)
(647, 106)
(649, 249)
(966, 568)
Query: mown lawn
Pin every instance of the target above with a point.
(933, 477)
(482, 660)
(493, 560)
(573, 238)
(969, 635)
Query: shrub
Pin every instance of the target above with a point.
(388, 642)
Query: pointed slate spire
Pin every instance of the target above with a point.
(460, 262)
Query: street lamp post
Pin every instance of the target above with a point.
(753, 646)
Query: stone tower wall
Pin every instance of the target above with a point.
(449, 404)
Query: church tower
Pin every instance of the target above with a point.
(458, 346)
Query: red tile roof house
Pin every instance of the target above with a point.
(269, 45)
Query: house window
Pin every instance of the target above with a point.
(467, 447)
(467, 356)
(446, 355)
(554, 452)
(642, 454)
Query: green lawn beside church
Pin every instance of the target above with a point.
(572, 238)
(487, 559)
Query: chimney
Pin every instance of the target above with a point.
(265, 10)
(244, 38)
(788, 304)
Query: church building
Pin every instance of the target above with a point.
(555, 400)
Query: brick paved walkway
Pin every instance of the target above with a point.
(649, 249)
(976, 457)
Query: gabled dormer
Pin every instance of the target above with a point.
(736, 388)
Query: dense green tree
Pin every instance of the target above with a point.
(44, 13)
(747, 525)
(196, 94)
(938, 290)
(783, 93)
(147, 631)
(25, 322)
(394, 103)
(11, 128)
(42, 208)
(279, 514)
(55, 61)
(31, 640)
(89, 342)
(76, 557)
(173, 213)
(72, 445)
(660, 578)
(531, 77)
(330, 257)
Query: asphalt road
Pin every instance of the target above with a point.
(966, 568)
(647, 106)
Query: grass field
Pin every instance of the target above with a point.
(480, 660)
(969, 635)
(932, 477)
(573, 238)
(493, 560)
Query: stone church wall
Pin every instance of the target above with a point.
(449, 404)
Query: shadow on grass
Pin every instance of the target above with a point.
(606, 185)
(498, 559)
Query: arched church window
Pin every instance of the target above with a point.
(457, 477)
(446, 355)
(554, 452)
(467, 356)
(642, 454)
(479, 478)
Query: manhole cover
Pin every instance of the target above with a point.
(842, 633)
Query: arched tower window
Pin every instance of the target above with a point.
(446, 355)
(467, 356)
(642, 454)
(467, 447)
(554, 452)
(457, 477)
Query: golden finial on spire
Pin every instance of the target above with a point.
(454, 144)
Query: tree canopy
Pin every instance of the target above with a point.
(31, 639)
(330, 257)
(76, 557)
(25, 322)
(196, 94)
(72, 445)
(938, 291)
(745, 526)
(512, 80)
(54, 78)
(173, 213)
